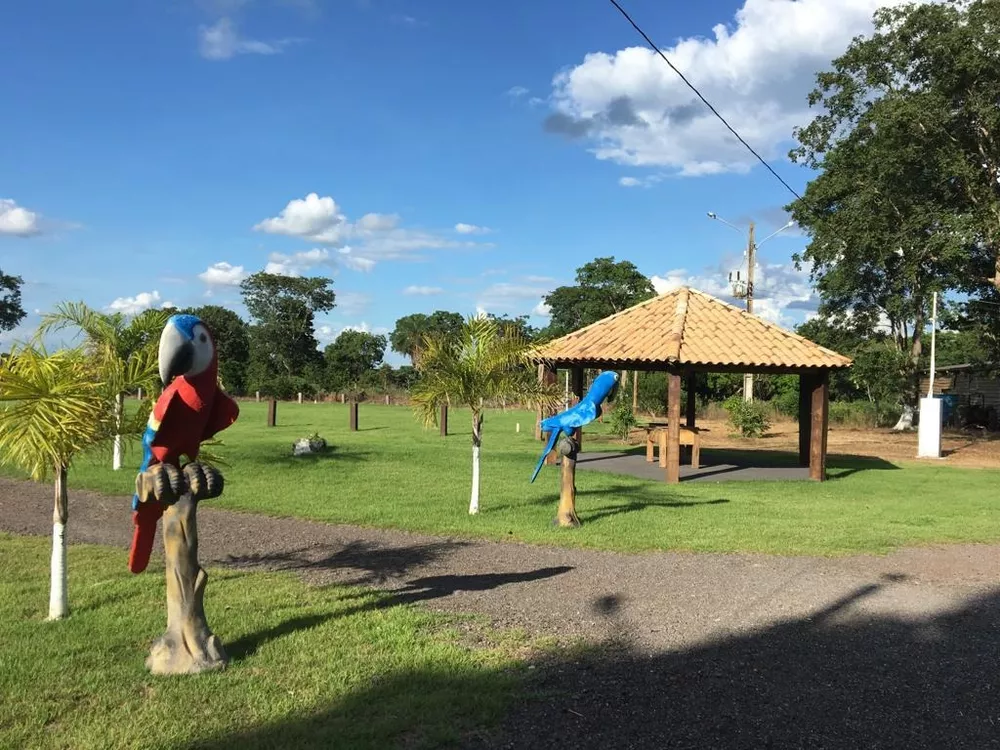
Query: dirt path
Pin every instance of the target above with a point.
(651, 601)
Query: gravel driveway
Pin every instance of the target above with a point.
(696, 650)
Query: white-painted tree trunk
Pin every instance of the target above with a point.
(116, 461)
(58, 605)
(474, 501)
(905, 422)
(477, 439)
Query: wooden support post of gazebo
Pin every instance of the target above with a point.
(673, 427)
(576, 385)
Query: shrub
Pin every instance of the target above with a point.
(787, 403)
(622, 420)
(749, 419)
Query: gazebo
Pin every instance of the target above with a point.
(685, 332)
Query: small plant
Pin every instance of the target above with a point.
(749, 419)
(623, 420)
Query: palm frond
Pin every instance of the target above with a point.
(53, 407)
(487, 361)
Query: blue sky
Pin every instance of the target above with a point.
(425, 155)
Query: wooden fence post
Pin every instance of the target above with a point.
(272, 412)
(353, 409)
(444, 420)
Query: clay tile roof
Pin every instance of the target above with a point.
(688, 327)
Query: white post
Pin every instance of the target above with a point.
(300, 397)
(566, 395)
(517, 427)
(140, 394)
(929, 429)
(258, 396)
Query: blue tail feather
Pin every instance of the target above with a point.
(553, 436)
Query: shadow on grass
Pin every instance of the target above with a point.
(418, 590)
(835, 679)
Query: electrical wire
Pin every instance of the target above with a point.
(708, 104)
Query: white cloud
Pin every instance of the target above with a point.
(756, 71)
(375, 237)
(223, 274)
(462, 228)
(516, 92)
(327, 334)
(647, 181)
(222, 41)
(542, 310)
(296, 264)
(17, 220)
(423, 291)
(504, 297)
(311, 218)
(780, 291)
(138, 303)
(353, 303)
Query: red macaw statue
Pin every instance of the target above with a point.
(191, 409)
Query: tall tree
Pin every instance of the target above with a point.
(486, 363)
(283, 339)
(55, 407)
(908, 200)
(125, 353)
(410, 332)
(232, 342)
(603, 287)
(352, 356)
(11, 312)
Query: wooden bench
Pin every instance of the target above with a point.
(656, 436)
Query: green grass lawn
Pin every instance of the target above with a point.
(394, 473)
(310, 667)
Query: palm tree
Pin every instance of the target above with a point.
(53, 408)
(125, 352)
(487, 361)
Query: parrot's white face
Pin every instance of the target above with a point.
(204, 350)
(186, 348)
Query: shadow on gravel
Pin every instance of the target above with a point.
(373, 564)
(831, 680)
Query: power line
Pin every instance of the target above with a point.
(707, 103)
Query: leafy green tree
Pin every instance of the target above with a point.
(232, 341)
(908, 201)
(487, 362)
(410, 332)
(351, 357)
(125, 354)
(54, 408)
(603, 287)
(883, 373)
(519, 322)
(11, 312)
(283, 344)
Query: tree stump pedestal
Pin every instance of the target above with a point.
(566, 516)
(188, 646)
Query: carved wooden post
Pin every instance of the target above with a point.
(188, 646)
(272, 412)
(566, 515)
(353, 408)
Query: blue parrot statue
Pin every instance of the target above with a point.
(602, 389)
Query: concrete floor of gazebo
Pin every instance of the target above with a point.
(717, 465)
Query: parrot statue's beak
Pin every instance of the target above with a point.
(176, 353)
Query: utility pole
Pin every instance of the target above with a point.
(751, 263)
(743, 290)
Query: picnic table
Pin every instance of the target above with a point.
(657, 431)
